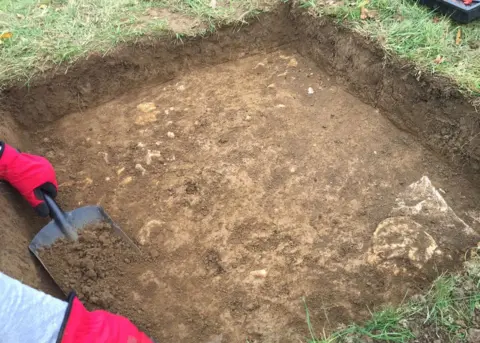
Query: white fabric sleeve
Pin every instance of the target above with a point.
(28, 315)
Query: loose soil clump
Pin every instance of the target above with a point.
(90, 266)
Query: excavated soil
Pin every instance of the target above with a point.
(91, 266)
(249, 185)
(252, 168)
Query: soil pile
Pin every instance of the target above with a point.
(90, 266)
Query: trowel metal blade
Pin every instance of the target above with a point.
(79, 218)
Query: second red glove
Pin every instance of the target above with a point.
(83, 326)
(31, 175)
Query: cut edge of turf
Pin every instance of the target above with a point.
(401, 27)
(42, 38)
(404, 29)
(448, 311)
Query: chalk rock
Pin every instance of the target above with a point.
(421, 227)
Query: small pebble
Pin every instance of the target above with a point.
(310, 91)
(140, 168)
(170, 134)
(248, 118)
(292, 63)
(126, 181)
(262, 273)
(260, 68)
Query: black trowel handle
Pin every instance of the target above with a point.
(59, 216)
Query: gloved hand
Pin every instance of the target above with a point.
(31, 175)
(83, 326)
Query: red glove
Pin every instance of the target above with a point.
(31, 175)
(82, 326)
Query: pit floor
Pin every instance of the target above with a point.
(237, 168)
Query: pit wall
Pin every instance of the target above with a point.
(18, 223)
(430, 107)
(99, 79)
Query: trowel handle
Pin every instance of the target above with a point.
(60, 218)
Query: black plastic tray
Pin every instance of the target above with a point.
(456, 10)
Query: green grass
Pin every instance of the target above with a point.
(447, 311)
(224, 12)
(47, 33)
(416, 34)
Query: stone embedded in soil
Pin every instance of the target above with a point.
(148, 113)
(151, 154)
(147, 107)
(262, 273)
(423, 203)
(292, 62)
(140, 168)
(146, 118)
(126, 181)
(420, 227)
(260, 68)
(403, 238)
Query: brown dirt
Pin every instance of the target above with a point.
(18, 222)
(225, 166)
(217, 183)
(430, 107)
(93, 266)
(100, 78)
